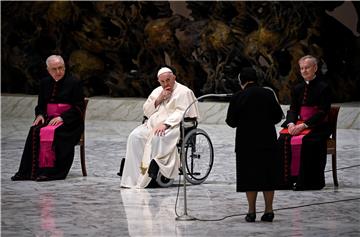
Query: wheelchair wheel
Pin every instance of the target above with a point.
(198, 156)
(163, 181)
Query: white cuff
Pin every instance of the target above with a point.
(290, 124)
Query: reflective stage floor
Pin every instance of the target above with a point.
(96, 206)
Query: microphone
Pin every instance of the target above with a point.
(215, 95)
(185, 216)
(223, 95)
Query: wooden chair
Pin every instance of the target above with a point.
(82, 144)
(331, 142)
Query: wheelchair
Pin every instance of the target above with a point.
(198, 155)
(196, 149)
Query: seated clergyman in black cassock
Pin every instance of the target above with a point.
(49, 149)
(306, 129)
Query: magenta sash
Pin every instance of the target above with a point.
(46, 153)
(296, 141)
(307, 112)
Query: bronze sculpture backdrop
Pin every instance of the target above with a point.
(115, 47)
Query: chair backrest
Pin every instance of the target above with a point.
(332, 118)
(82, 138)
(86, 101)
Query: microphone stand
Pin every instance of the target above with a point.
(185, 216)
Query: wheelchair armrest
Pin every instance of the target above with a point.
(189, 119)
(144, 119)
(190, 123)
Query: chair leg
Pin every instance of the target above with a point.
(334, 169)
(82, 159)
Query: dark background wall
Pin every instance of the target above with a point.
(115, 47)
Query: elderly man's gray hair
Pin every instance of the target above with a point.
(310, 57)
(54, 58)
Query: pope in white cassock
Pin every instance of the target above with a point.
(156, 139)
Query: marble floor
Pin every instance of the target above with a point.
(96, 206)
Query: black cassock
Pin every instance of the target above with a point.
(313, 150)
(68, 90)
(254, 112)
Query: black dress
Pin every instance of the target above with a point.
(313, 150)
(254, 112)
(68, 90)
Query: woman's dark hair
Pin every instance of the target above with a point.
(247, 74)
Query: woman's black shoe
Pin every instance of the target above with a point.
(250, 217)
(268, 217)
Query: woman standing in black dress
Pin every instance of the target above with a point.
(254, 111)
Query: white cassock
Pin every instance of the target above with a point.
(143, 146)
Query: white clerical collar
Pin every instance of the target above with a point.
(307, 82)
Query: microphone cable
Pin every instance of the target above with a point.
(278, 209)
(343, 168)
(283, 208)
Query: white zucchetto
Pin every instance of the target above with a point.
(163, 70)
